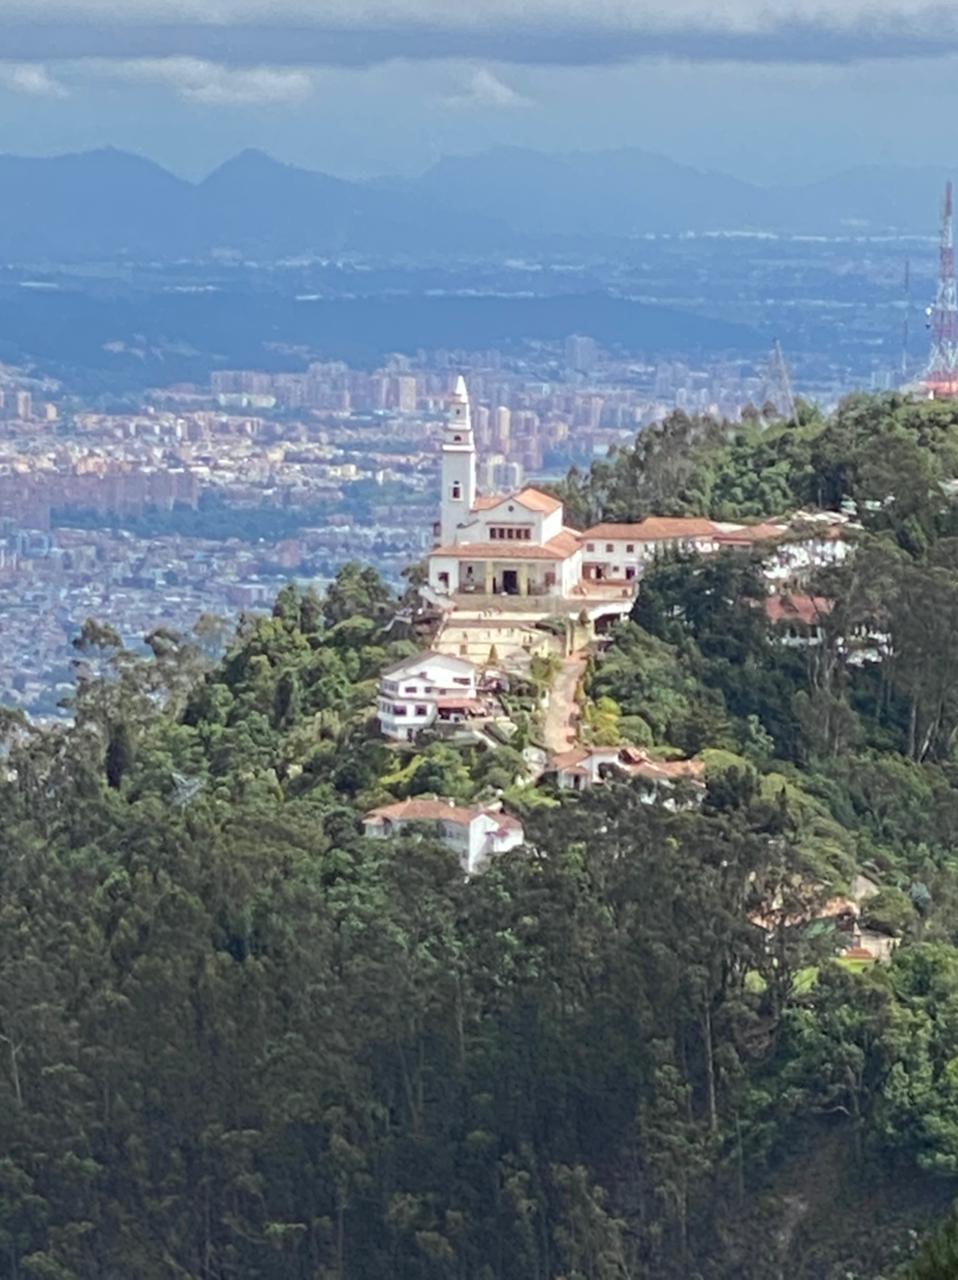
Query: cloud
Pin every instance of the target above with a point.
(278, 33)
(30, 78)
(466, 15)
(198, 80)
(487, 92)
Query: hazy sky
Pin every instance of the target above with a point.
(772, 91)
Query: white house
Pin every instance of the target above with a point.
(792, 548)
(584, 767)
(808, 542)
(618, 552)
(416, 692)
(474, 835)
(496, 545)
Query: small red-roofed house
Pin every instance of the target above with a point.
(584, 767)
(474, 835)
(798, 620)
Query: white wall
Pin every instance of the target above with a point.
(407, 696)
(402, 719)
(485, 842)
(444, 564)
(542, 527)
(794, 561)
(628, 556)
(569, 573)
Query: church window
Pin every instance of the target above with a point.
(458, 439)
(457, 490)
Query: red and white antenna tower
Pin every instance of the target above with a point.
(941, 374)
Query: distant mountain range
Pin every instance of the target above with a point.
(101, 204)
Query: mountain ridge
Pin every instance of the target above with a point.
(108, 202)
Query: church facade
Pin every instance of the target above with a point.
(499, 545)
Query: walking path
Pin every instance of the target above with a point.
(558, 727)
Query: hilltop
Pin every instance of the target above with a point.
(243, 1034)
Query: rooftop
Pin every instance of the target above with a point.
(423, 809)
(748, 534)
(655, 529)
(808, 610)
(536, 500)
(428, 655)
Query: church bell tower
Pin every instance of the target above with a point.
(458, 466)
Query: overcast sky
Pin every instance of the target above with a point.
(770, 91)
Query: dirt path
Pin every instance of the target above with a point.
(558, 727)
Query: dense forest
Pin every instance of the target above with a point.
(241, 1041)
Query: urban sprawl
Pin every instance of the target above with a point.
(204, 500)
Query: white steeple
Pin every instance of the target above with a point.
(458, 466)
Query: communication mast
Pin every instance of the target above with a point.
(941, 373)
(906, 323)
(777, 387)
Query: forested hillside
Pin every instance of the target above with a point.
(239, 1040)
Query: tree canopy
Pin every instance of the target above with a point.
(241, 1040)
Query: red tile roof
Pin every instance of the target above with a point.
(669, 770)
(422, 809)
(536, 500)
(655, 529)
(749, 534)
(808, 610)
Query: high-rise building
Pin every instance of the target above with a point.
(589, 412)
(405, 397)
(581, 354)
(483, 427)
(503, 428)
(226, 382)
(23, 406)
(379, 391)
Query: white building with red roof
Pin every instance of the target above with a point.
(498, 544)
(418, 691)
(619, 552)
(584, 767)
(474, 835)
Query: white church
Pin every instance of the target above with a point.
(500, 545)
